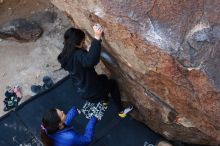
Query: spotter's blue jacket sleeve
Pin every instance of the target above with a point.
(86, 138)
(72, 113)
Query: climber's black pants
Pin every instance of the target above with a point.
(110, 87)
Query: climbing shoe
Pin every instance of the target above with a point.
(48, 82)
(36, 89)
(124, 113)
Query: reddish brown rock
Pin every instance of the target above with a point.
(166, 59)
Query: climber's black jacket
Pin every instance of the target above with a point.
(86, 82)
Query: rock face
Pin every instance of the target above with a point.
(21, 30)
(166, 59)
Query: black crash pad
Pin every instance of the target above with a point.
(22, 126)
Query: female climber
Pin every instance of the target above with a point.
(56, 129)
(80, 64)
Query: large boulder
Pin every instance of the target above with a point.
(166, 59)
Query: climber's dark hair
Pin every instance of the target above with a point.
(50, 123)
(72, 38)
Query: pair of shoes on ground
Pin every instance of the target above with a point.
(13, 97)
(47, 84)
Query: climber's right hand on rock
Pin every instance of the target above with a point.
(98, 29)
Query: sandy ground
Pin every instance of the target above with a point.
(25, 64)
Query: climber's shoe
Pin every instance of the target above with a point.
(124, 113)
(36, 89)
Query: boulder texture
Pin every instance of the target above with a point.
(166, 58)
